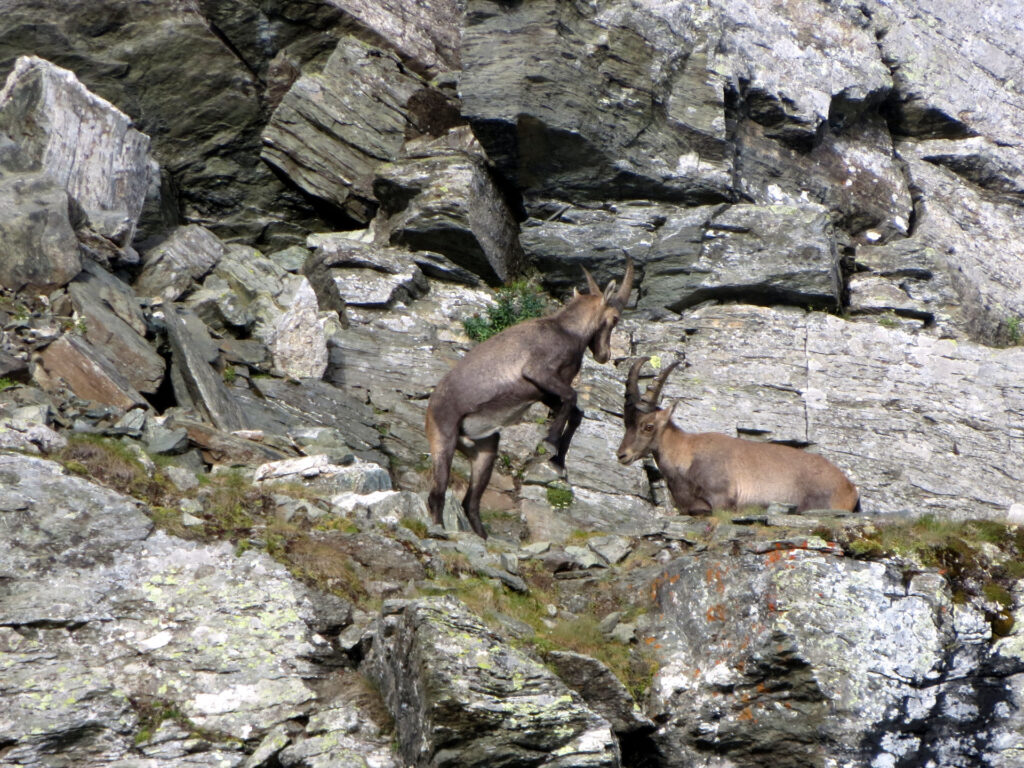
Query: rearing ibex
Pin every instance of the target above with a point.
(498, 380)
(709, 471)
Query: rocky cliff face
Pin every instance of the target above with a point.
(237, 242)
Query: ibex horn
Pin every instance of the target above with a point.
(592, 286)
(632, 388)
(653, 394)
(622, 296)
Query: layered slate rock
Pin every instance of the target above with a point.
(345, 271)
(757, 666)
(461, 696)
(761, 254)
(334, 127)
(186, 255)
(72, 363)
(445, 201)
(115, 325)
(89, 146)
(596, 105)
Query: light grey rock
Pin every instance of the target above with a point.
(89, 146)
(346, 271)
(756, 649)
(613, 549)
(358, 477)
(40, 249)
(297, 338)
(170, 268)
(334, 127)
(226, 640)
(385, 506)
(461, 696)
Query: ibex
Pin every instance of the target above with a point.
(498, 380)
(709, 471)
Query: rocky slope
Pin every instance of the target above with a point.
(237, 243)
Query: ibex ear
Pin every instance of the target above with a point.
(666, 413)
(609, 291)
(575, 292)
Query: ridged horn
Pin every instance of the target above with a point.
(622, 295)
(652, 396)
(632, 387)
(592, 287)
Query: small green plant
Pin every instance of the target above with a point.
(1013, 329)
(559, 498)
(230, 374)
(888, 320)
(7, 383)
(514, 303)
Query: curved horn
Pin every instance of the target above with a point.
(653, 393)
(592, 286)
(632, 388)
(622, 295)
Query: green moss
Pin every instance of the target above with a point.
(415, 525)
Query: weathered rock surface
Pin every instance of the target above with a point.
(87, 581)
(756, 660)
(446, 202)
(463, 697)
(89, 146)
(334, 127)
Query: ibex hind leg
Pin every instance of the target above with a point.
(442, 450)
(481, 456)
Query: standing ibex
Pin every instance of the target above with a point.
(709, 471)
(497, 381)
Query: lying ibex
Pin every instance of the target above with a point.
(497, 381)
(709, 471)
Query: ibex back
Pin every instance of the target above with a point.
(498, 380)
(708, 471)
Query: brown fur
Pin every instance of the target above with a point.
(534, 361)
(708, 471)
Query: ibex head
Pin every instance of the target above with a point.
(607, 308)
(644, 419)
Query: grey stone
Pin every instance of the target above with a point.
(203, 386)
(40, 248)
(170, 268)
(334, 127)
(89, 146)
(448, 204)
(516, 713)
(601, 690)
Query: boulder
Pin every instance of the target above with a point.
(334, 127)
(115, 326)
(89, 146)
(446, 202)
(185, 256)
(72, 363)
(756, 665)
(461, 696)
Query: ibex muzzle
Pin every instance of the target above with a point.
(498, 380)
(709, 471)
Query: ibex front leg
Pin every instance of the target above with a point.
(560, 398)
